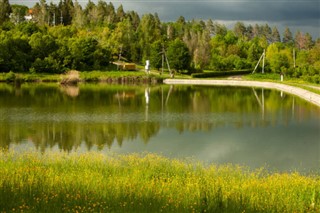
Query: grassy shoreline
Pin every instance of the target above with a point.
(136, 77)
(92, 76)
(92, 182)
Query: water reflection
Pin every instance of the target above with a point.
(249, 126)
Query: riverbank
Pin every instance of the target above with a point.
(93, 182)
(302, 93)
(74, 77)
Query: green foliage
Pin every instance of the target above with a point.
(178, 55)
(14, 54)
(5, 10)
(42, 45)
(220, 73)
(10, 76)
(87, 54)
(156, 54)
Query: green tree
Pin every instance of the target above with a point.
(122, 39)
(18, 13)
(257, 31)
(149, 31)
(91, 13)
(275, 35)
(42, 45)
(120, 13)
(5, 10)
(111, 17)
(308, 41)
(178, 55)
(240, 29)
(156, 54)
(287, 36)
(40, 12)
(79, 18)
(14, 54)
(267, 32)
(277, 57)
(87, 54)
(66, 11)
(53, 15)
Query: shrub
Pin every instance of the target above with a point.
(220, 73)
(10, 77)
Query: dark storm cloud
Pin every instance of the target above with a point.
(298, 13)
(301, 15)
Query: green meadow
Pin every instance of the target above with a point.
(93, 182)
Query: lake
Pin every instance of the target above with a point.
(248, 126)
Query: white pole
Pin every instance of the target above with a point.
(263, 111)
(264, 55)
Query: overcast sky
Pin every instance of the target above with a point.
(301, 15)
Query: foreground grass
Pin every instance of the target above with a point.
(56, 182)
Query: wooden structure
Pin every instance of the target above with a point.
(125, 66)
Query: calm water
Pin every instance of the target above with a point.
(247, 126)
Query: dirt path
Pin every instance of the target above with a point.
(302, 93)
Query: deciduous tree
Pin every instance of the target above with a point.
(178, 55)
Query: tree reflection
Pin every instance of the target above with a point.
(102, 115)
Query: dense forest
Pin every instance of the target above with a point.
(54, 38)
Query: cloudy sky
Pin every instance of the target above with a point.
(301, 15)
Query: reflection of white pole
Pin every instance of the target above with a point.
(262, 104)
(170, 90)
(146, 94)
(255, 94)
(162, 99)
(293, 107)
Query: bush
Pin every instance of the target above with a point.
(220, 73)
(315, 79)
(10, 77)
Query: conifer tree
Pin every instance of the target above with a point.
(5, 10)
(287, 36)
(275, 36)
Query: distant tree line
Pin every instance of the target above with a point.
(65, 36)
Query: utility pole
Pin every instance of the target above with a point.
(261, 57)
(264, 56)
(294, 58)
(162, 56)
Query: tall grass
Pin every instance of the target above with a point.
(92, 182)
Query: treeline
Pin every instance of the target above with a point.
(66, 36)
